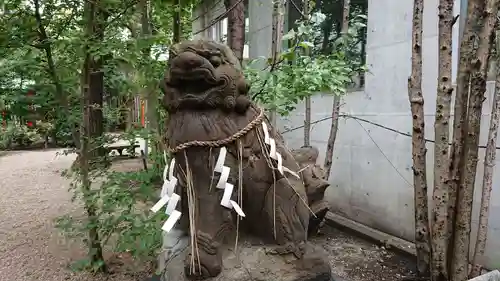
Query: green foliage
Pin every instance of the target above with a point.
(14, 136)
(24, 62)
(304, 68)
(125, 223)
(121, 202)
(45, 129)
(47, 54)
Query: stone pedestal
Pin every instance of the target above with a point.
(251, 262)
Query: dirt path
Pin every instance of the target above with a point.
(32, 195)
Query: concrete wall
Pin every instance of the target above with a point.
(371, 179)
(371, 176)
(260, 28)
(204, 15)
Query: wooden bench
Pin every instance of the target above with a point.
(121, 147)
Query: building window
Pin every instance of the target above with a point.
(332, 26)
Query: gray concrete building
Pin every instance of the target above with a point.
(371, 179)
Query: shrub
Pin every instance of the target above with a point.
(17, 136)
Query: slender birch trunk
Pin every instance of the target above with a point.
(422, 241)
(336, 102)
(481, 13)
(440, 197)
(307, 100)
(489, 164)
(277, 34)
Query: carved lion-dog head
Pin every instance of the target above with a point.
(203, 75)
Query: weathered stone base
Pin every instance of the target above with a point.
(251, 263)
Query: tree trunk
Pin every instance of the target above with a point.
(457, 153)
(90, 126)
(45, 45)
(90, 82)
(236, 26)
(330, 146)
(489, 163)
(327, 30)
(177, 22)
(133, 116)
(93, 77)
(480, 13)
(150, 92)
(441, 132)
(307, 101)
(277, 34)
(336, 101)
(96, 117)
(422, 241)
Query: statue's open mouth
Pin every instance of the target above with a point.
(193, 83)
(198, 75)
(191, 72)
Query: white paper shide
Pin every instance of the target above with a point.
(168, 197)
(224, 184)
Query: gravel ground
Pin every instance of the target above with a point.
(355, 259)
(32, 195)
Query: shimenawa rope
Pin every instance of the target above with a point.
(218, 143)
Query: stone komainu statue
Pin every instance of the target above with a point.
(207, 99)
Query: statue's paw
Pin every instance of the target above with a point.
(319, 209)
(202, 266)
(195, 272)
(316, 262)
(290, 248)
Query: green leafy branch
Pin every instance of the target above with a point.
(303, 69)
